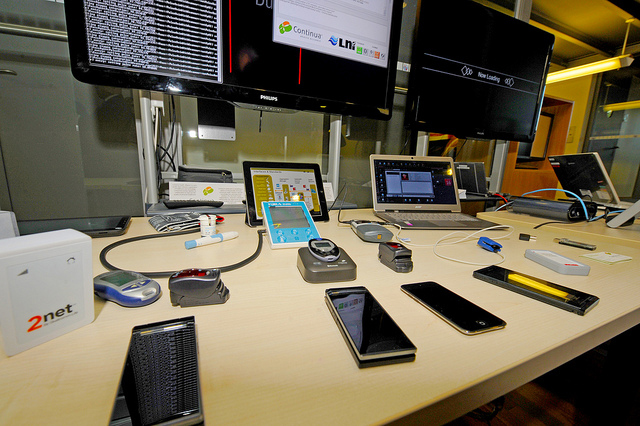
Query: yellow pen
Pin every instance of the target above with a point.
(520, 279)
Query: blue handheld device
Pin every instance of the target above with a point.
(288, 223)
(126, 288)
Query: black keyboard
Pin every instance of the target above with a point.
(177, 204)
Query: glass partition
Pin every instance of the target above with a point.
(615, 129)
(68, 149)
(259, 136)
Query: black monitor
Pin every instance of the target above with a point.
(316, 55)
(584, 174)
(476, 72)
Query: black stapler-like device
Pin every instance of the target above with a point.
(197, 287)
(395, 256)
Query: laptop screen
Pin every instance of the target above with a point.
(413, 183)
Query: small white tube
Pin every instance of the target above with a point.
(212, 239)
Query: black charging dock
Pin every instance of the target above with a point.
(314, 270)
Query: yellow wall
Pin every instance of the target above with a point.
(576, 90)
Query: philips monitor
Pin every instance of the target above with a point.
(476, 72)
(336, 57)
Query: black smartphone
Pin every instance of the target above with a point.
(545, 291)
(104, 226)
(465, 316)
(372, 335)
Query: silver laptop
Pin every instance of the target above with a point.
(585, 175)
(418, 193)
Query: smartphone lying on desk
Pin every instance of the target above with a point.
(463, 315)
(372, 335)
(104, 226)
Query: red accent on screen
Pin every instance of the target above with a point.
(300, 66)
(191, 273)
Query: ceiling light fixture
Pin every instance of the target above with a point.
(589, 69)
(621, 106)
(595, 67)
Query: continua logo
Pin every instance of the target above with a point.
(285, 27)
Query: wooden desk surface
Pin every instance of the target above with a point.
(273, 355)
(624, 235)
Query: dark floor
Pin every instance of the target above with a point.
(600, 387)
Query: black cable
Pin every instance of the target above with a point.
(172, 117)
(349, 221)
(458, 149)
(158, 143)
(109, 266)
(342, 203)
(164, 156)
(338, 196)
(167, 150)
(406, 142)
(169, 160)
(549, 223)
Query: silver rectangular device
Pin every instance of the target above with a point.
(416, 192)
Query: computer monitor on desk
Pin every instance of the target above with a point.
(476, 72)
(273, 56)
(585, 175)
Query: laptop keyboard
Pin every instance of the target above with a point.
(405, 216)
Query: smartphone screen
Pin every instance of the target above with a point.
(367, 327)
(463, 315)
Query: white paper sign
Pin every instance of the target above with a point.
(229, 193)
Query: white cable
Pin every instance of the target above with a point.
(408, 243)
(468, 237)
(465, 238)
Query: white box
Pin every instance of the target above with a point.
(229, 193)
(8, 225)
(46, 287)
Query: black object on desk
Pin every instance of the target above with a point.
(315, 271)
(471, 177)
(281, 175)
(197, 287)
(395, 256)
(542, 290)
(372, 336)
(178, 204)
(201, 174)
(104, 226)
(160, 383)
